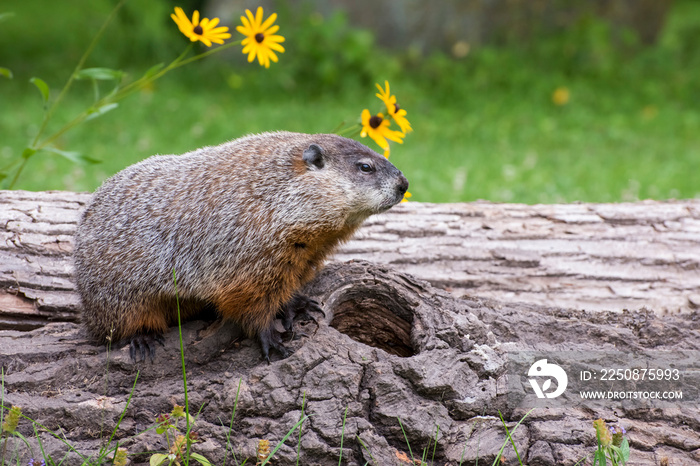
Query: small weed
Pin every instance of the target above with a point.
(612, 445)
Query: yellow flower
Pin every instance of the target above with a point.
(377, 127)
(561, 96)
(396, 112)
(406, 197)
(260, 40)
(204, 31)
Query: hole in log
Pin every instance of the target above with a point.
(375, 319)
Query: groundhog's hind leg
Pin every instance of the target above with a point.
(145, 326)
(144, 342)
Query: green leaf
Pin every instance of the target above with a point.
(3, 175)
(615, 455)
(96, 112)
(42, 86)
(625, 450)
(28, 152)
(157, 459)
(200, 459)
(103, 74)
(6, 72)
(599, 459)
(76, 157)
(153, 70)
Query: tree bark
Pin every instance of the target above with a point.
(643, 255)
(394, 362)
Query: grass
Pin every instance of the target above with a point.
(486, 126)
(521, 150)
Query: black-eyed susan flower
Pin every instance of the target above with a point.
(260, 40)
(392, 107)
(196, 30)
(377, 127)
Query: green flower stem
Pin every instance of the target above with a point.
(79, 66)
(19, 170)
(350, 131)
(133, 87)
(120, 94)
(208, 52)
(123, 92)
(49, 113)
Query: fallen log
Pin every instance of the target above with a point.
(424, 351)
(574, 256)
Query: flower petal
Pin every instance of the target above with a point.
(246, 26)
(220, 30)
(259, 17)
(379, 139)
(275, 46)
(181, 15)
(251, 20)
(268, 22)
(365, 117)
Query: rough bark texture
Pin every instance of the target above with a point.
(576, 256)
(389, 346)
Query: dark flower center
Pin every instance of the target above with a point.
(259, 37)
(375, 121)
(198, 30)
(396, 108)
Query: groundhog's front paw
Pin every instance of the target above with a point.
(298, 308)
(142, 342)
(270, 338)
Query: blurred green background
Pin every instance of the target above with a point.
(590, 112)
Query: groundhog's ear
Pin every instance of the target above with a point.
(314, 156)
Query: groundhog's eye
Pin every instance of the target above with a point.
(365, 167)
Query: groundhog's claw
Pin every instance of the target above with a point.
(298, 308)
(141, 342)
(270, 338)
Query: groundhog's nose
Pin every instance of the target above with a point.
(402, 186)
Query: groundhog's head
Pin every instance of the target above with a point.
(370, 183)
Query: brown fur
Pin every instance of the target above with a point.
(244, 225)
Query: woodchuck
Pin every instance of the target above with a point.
(244, 225)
